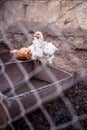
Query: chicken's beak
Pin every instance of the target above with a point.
(36, 36)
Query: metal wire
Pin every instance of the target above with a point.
(75, 121)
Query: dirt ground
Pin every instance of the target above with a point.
(59, 113)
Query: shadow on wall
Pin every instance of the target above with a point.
(50, 30)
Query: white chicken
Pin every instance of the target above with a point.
(49, 51)
(42, 50)
(38, 44)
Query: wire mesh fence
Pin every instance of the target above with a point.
(76, 119)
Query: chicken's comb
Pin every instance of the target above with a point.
(11, 52)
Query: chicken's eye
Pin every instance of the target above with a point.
(38, 34)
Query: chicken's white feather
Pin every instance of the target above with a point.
(42, 50)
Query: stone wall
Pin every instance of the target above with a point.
(68, 16)
(20, 18)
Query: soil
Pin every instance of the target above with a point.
(4, 52)
(59, 113)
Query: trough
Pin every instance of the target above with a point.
(28, 84)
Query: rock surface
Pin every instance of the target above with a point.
(60, 21)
